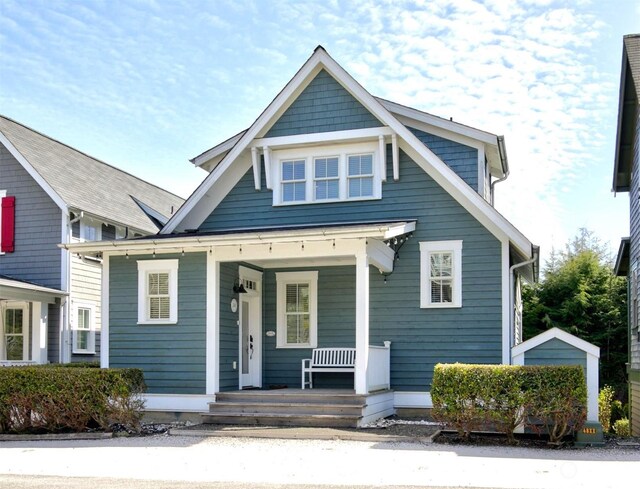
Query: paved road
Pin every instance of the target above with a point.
(231, 462)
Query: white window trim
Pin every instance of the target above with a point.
(92, 329)
(309, 154)
(282, 279)
(428, 247)
(88, 222)
(3, 193)
(26, 338)
(156, 266)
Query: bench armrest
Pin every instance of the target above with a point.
(306, 361)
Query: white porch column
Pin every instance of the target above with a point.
(362, 322)
(212, 363)
(39, 320)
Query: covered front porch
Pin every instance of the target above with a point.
(25, 318)
(275, 296)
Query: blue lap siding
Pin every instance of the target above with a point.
(172, 356)
(421, 337)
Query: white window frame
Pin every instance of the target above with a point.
(309, 155)
(361, 176)
(325, 179)
(426, 249)
(91, 342)
(282, 280)
(146, 267)
(294, 181)
(3, 193)
(25, 331)
(87, 223)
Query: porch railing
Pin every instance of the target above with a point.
(379, 371)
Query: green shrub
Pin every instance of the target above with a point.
(56, 398)
(470, 397)
(605, 400)
(622, 428)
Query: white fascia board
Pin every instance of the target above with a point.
(294, 87)
(473, 202)
(375, 231)
(433, 165)
(217, 150)
(556, 333)
(438, 122)
(322, 137)
(34, 173)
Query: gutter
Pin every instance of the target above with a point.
(502, 150)
(535, 252)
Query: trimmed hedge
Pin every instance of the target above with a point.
(472, 397)
(39, 399)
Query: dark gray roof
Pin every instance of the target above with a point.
(632, 46)
(90, 185)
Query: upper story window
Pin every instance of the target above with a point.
(293, 180)
(327, 174)
(441, 274)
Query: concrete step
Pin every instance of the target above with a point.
(289, 397)
(286, 408)
(318, 420)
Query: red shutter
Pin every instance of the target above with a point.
(8, 224)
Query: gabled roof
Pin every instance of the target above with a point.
(78, 182)
(627, 107)
(221, 179)
(621, 267)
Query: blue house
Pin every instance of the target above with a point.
(337, 220)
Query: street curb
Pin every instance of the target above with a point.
(57, 437)
(270, 432)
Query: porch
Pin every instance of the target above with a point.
(297, 407)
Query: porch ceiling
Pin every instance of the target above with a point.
(19, 290)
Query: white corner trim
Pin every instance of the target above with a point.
(104, 312)
(255, 162)
(556, 333)
(412, 399)
(178, 402)
(507, 304)
(34, 173)
(593, 389)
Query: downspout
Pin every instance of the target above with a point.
(502, 151)
(535, 252)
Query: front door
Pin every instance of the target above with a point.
(250, 329)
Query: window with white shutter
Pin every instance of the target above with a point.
(157, 291)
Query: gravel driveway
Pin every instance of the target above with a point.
(319, 462)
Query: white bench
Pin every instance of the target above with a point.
(328, 360)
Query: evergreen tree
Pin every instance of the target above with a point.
(581, 295)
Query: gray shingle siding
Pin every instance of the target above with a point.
(38, 227)
(323, 106)
(53, 334)
(460, 158)
(172, 356)
(634, 226)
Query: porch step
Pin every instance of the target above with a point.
(281, 419)
(291, 396)
(286, 408)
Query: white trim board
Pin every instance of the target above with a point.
(177, 402)
(201, 203)
(420, 399)
(556, 333)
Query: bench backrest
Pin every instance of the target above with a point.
(334, 357)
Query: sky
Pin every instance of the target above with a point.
(146, 85)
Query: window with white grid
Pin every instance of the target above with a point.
(297, 309)
(440, 274)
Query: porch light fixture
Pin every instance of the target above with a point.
(238, 288)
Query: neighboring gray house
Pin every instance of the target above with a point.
(51, 194)
(626, 179)
(336, 220)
